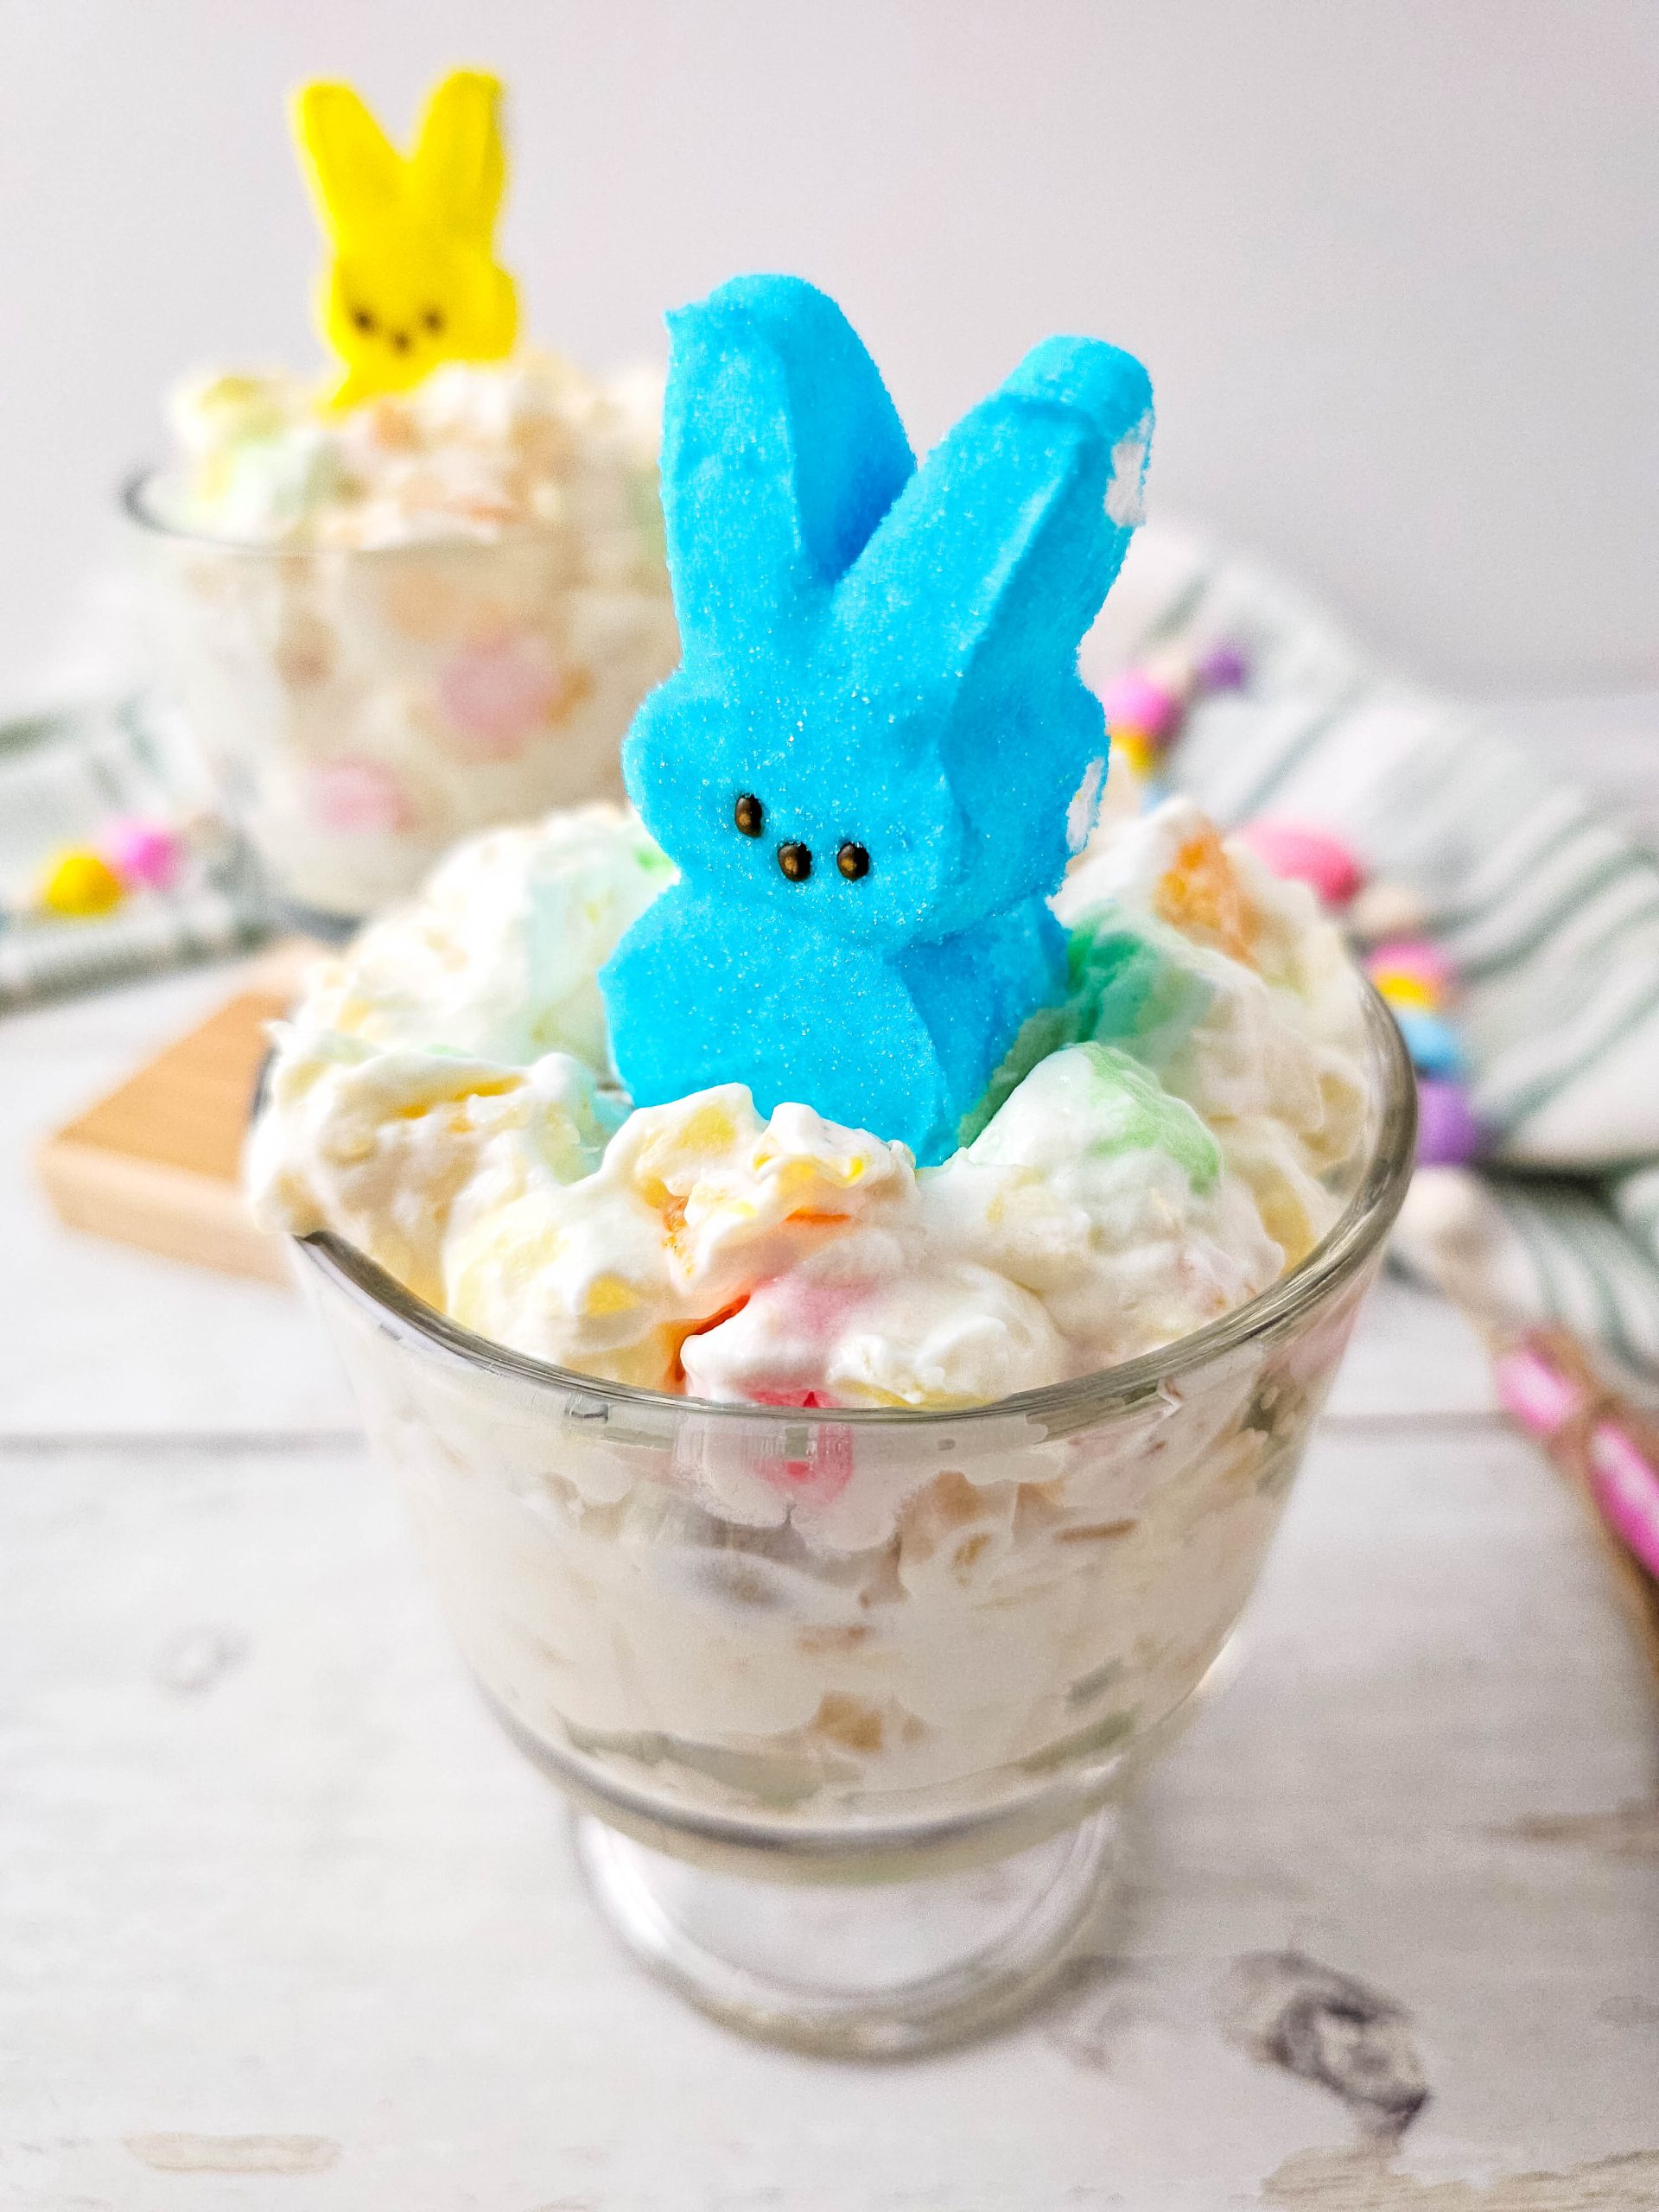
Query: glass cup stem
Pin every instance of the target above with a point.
(855, 1970)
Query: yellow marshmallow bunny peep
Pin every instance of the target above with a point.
(414, 280)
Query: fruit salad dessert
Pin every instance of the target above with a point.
(426, 595)
(1155, 1147)
(791, 1236)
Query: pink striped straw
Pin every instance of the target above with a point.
(1536, 1391)
(1626, 1486)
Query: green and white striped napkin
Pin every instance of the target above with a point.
(1548, 911)
(63, 777)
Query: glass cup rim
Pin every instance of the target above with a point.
(134, 498)
(1350, 1242)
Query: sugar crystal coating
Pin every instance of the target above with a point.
(879, 663)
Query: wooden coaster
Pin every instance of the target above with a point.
(157, 1163)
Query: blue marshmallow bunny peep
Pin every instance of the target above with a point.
(863, 764)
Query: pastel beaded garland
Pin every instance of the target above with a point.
(1146, 704)
(1435, 1047)
(79, 883)
(1303, 854)
(1406, 994)
(132, 856)
(1411, 972)
(1134, 749)
(146, 856)
(1136, 701)
(1415, 978)
(1224, 667)
(863, 764)
(1448, 1133)
(1384, 910)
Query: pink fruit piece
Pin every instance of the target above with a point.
(1302, 853)
(821, 1479)
(362, 797)
(1134, 700)
(496, 694)
(1448, 1133)
(146, 856)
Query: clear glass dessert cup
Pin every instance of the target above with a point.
(843, 1699)
(363, 707)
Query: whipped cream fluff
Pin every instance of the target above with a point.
(395, 626)
(476, 448)
(442, 1100)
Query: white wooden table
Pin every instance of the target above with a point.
(284, 1923)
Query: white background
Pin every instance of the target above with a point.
(1394, 266)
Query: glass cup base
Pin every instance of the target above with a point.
(871, 1970)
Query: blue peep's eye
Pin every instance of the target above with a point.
(795, 861)
(853, 860)
(749, 814)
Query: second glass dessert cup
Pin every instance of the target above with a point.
(842, 1698)
(362, 707)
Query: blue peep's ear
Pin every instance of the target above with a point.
(781, 451)
(1000, 551)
